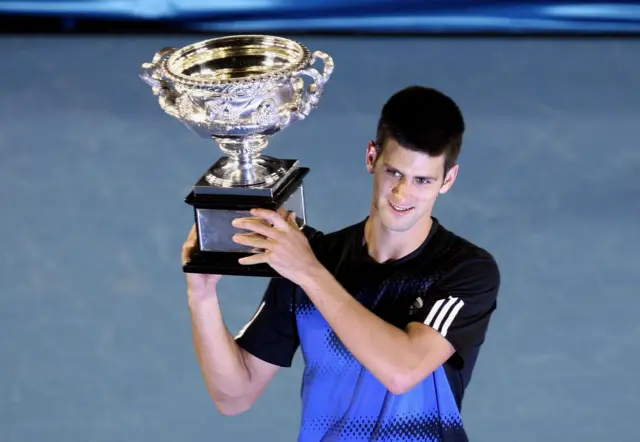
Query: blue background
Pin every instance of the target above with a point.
(387, 16)
(95, 334)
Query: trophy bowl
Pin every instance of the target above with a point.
(239, 91)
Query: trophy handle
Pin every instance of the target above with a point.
(326, 72)
(152, 74)
(314, 91)
(149, 71)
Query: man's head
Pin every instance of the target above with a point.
(414, 157)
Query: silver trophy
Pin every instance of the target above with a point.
(239, 91)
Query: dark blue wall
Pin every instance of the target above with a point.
(389, 16)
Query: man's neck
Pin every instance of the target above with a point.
(384, 245)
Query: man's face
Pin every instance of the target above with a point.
(406, 185)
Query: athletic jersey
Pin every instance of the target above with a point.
(448, 283)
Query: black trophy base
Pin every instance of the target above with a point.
(216, 253)
(226, 263)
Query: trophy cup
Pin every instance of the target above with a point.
(239, 90)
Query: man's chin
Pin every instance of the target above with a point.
(395, 224)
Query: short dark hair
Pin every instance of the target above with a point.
(425, 120)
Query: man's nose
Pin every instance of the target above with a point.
(400, 190)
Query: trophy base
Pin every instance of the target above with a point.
(216, 252)
(226, 263)
(269, 174)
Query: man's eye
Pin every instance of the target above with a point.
(393, 172)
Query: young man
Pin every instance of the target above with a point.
(389, 313)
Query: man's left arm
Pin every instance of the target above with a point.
(445, 326)
(398, 358)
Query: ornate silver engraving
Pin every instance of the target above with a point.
(239, 90)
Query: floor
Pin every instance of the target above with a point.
(96, 338)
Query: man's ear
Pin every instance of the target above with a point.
(372, 156)
(449, 179)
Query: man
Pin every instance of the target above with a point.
(389, 313)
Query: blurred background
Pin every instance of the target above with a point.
(95, 332)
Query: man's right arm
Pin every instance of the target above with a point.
(237, 370)
(234, 378)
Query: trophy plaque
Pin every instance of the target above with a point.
(239, 91)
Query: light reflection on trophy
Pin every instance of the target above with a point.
(239, 90)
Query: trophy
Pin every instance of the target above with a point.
(239, 90)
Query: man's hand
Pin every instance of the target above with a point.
(198, 285)
(280, 242)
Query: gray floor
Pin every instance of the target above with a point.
(96, 340)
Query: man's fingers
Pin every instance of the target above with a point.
(189, 245)
(254, 240)
(258, 258)
(272, 217)
(291, 219)
(193, 235)
(255, 225)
